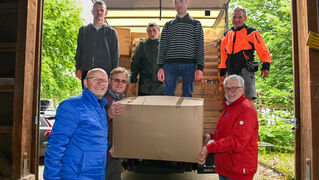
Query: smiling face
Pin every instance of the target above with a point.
(118, 83)
(233, 90)
(180, 7)
(96, 82)
(238, 19)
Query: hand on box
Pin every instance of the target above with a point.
(202, 156)
(111, 151)
(115, 109)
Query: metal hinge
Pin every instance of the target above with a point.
(297, 123)
(25, 163)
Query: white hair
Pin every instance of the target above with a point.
(235, 77)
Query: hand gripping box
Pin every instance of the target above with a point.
(159, 128)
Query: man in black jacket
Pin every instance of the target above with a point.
(97, 44)
(144, 63)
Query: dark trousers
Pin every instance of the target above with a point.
(84, 73)
(113, 171)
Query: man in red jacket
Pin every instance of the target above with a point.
(236, 136)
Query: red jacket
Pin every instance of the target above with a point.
(238, 46)
(236, 140)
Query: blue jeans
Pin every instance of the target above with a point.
(173, 71)
(221, 177)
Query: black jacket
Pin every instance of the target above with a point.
(97, 49)
(144, 62)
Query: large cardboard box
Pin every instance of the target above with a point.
(159, 128)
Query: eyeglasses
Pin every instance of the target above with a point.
(123, 81)
(231, 88)
(97, 80)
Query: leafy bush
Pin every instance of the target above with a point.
(61, 22)
(275, 130)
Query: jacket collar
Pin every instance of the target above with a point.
(240, 28)
(239, 100)
(92, 98)
(114, 96)
(154, 40)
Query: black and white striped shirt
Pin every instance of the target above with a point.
(182, 41)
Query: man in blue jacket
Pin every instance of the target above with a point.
(77, 146)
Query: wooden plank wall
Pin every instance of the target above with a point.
(307, 64)
(19, 86)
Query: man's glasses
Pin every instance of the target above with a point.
(97, 80)
(231, 88)
(123, 81)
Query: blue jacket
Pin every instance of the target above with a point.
(77, 146)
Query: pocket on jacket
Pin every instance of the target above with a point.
(93, 162)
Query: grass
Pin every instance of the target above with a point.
(282, 162)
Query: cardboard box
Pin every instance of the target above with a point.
(159, 128)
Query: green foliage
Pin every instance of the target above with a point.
(61, 21)
(272, 18)
(274, 129)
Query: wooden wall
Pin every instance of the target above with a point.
(20, 40)
(306, 64)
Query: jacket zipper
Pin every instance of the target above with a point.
(105, 141)
(93, 59)
(234, 42)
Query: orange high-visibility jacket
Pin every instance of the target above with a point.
(238, 47)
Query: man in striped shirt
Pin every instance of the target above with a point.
(181, 51)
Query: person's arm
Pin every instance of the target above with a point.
(163, 47)
(200, 53)
(136, 62)
(115, 52)
(242, 131)
(66, 122)
(78, 54)
(263, 53)
(223, 57)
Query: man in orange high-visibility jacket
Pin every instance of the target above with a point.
(237, 52)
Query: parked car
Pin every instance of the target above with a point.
(46, 121)
(45, 128)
